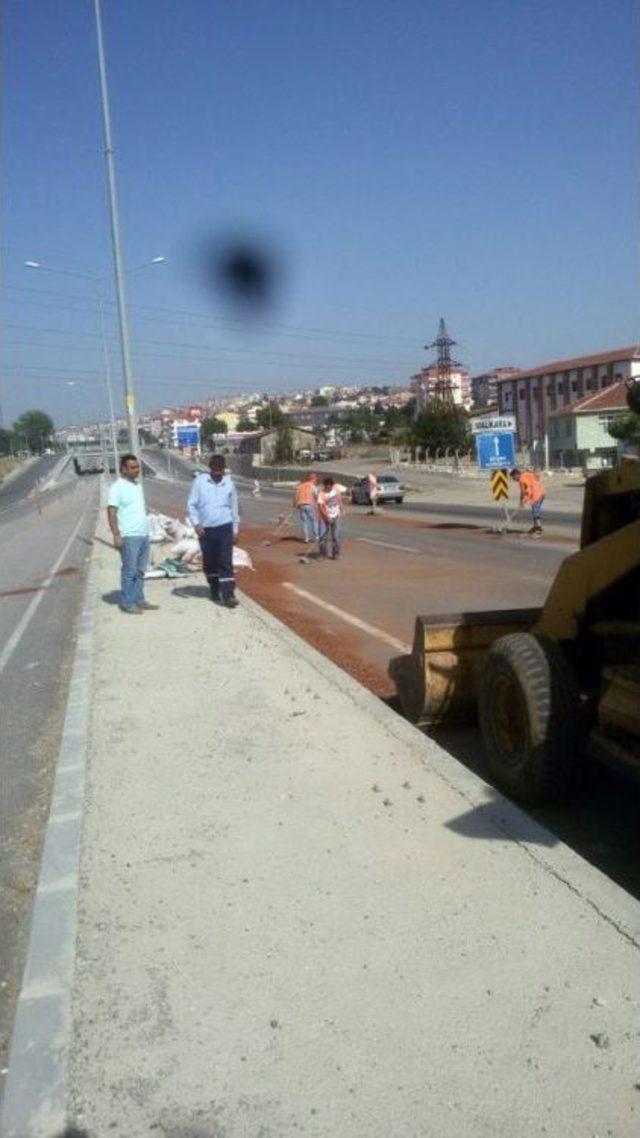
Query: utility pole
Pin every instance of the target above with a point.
(129, 395)
(443, 388)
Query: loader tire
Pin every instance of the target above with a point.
(530, 717)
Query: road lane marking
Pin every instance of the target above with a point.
(19, 630)
(388, 545)
(348, 618)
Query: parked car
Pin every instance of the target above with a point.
(322, 456)
(389, 490)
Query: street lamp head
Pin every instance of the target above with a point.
(157, 260)
(33, 264)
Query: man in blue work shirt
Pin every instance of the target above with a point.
(127, 516)
(213, 510)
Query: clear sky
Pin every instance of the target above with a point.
(404, 160)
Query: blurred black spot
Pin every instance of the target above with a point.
(244, 272)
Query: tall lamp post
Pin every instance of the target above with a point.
(129, 396)
(95, 280)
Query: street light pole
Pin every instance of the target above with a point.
(129, 396)
(95, 280)
(107, 372)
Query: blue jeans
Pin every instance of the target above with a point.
(309, 522)
(536, 509)
(135, 558)
(329, 530)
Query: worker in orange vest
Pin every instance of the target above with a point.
(532, 493)
(305, 501)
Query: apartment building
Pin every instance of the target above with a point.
(427, 384)
(533, 395)
(579, 434)
(484, 388)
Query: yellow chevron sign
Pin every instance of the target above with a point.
(499, 485)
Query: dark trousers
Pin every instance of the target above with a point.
(216, 544)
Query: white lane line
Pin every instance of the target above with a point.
(348, 618)
(18, 632)
(388, 545)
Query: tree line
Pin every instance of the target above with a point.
(438, 427)
(32, 432)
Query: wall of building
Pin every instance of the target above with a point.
(592, 434)
(582, 439)
(532, 398)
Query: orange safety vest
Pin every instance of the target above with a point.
(531, 488)
(306, 493)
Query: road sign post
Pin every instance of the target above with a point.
(500, 492)
(188, 436)
(496, 450)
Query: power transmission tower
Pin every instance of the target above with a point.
(443, 387)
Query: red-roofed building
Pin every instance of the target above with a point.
(535, 394)
(579, 435)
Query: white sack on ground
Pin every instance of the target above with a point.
(241, 559)
(187, 550)
(180, 530)
(157, 530)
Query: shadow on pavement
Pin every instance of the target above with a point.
(112, 598)
(191, 592)
(456, 525)
(599, 822)
(483, 822)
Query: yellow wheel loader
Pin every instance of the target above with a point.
(547, 685)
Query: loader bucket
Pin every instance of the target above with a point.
(438, 682)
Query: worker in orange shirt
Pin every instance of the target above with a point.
(305, 501)
(532, 493)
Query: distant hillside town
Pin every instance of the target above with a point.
(562, 410)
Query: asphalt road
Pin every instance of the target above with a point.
(46, 544)
(487, 515)
(17, 488)
(555, 520)
(360, 611)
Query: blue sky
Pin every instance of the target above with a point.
(474, 160)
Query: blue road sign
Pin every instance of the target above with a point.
(495, 450)
(188, 436)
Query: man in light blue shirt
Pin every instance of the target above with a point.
(213, 510)
(127, 516)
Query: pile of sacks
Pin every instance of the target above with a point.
(184, 555)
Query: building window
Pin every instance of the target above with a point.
(574, 385)
(522, 394)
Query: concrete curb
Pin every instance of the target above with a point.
(52, 481)
(612, 903)
(35, 1101)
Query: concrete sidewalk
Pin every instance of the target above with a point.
(296, 914)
